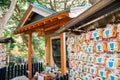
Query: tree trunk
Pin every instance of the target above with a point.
(5, 18)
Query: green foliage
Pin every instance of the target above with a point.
(34, 59)
(16, 59)
(38, 42)
(39, 45)
(4, 2)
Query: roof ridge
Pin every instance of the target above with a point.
(39, 5)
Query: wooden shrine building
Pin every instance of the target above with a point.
(41, 20)
(48, 23)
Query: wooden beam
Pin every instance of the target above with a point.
(28, 32)
(58, 23)
(53, 22)
(41, 22)
(29, 18)
(53, 30)
(56, 27)
(63, 53)
(30, 57)
(49, 25)
(41, 33)
(52, 26)
(26, 16)
(47, 50)
(92, 10)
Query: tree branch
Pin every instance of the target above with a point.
(55, 4)
(17, 11)
(7, 15)
(51, 5)
(65, 4)
(15, 18)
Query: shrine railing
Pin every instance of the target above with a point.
(10, 72)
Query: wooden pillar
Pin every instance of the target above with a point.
(63, 53)
(30, 56)
(47, 50)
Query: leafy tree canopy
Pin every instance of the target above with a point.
(20, 9)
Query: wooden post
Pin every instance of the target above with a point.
(47, 50)
(30, 56)
(63, 53)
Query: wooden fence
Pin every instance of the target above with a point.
(10, 72)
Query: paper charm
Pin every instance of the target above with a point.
(90, 48)
(68, 41)
(86, 68)
(75, 48)
(113, 46)
(93, 70)
(75, 56)
(101, 47)
(68, 49)
(87, 78)
(118, 31)
(113, 77)
(72, 64)
(69, 55)
(71, 78)
(80, 68)
(82, 37)
(101, 60)
(76, 74)
(78, 79)
(72, 49)
(106, 33)
(103, 73)
(79, 57)
(84, 47)
(91, 59)
(118, 27)
(113, 63)
(81, 75)
(84, 57)
(71, 72)
(110, 31)
(76, 38)
(78, 48)
(72, 41)
(75, 67)
(100, 78)
(88, 35)
(97, 34)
